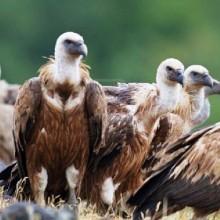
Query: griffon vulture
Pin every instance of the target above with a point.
(8, 94)
(148, 101)
(132, 109)
(170, 126)
(189, 177)
(191, 106)
(204, 113)
(60, 118)
(7, 148)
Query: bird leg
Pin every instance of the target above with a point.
(72, 179)
(39, 183)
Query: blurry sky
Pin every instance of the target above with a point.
(126, 39)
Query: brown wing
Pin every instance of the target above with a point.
(168, 128)
(105, 141)
(96, 107)
(120, 95)
(25, 117)
(119, 132)
(190, 177)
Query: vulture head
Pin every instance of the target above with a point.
(70, 46)
(170, 72)
(69, 50)
(196, 77)
(214, 90)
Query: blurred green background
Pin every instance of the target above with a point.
(127, 39)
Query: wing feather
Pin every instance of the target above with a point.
(96, 107)
(190, 173)
(25, 117)
(119, 132)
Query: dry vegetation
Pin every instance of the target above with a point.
(88, 213)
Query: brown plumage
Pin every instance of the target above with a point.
(8, 94)
(6, 139)
(184, 117)
(115, 171)
(188, 176)
(145, 101)
(55, 114)
(167, 129)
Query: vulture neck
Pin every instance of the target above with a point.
(197, 100)
(169, 94)
(67, 69)
(203, 114)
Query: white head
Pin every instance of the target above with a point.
(70, 45)
(197, 77)
(170, 72)
(69, 50)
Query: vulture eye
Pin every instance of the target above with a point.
(68, 41)
(194, 73)
(169, 68)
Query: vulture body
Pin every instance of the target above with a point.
(7, 149)
(8, 94)
(145, 101)
(59, 119)
(132, 110)
(188, 113)
(188, 176)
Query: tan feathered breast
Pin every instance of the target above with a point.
(53, 123)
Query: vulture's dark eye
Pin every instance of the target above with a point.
(169, 68)
(68, 41)
(194, 73)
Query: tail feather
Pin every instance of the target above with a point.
(6, 172)
(9, 178)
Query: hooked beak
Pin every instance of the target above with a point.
(180, 80)
(179, 77)
(77, 48)
(207, 81)
(83, 50)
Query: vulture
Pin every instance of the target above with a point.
(8, 94)
(145, 101)
(188, 176)
(192, 99)
(59, 120)
(204, 113)
(7, 149)
(170, 126)
(115, 171)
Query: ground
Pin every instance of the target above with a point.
(88, 213)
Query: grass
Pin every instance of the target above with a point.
(88, 213)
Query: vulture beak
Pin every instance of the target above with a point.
(207, 81)
(83, 50)
(216, 86)
(77, 48)
(179, 76)
(214, 90)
